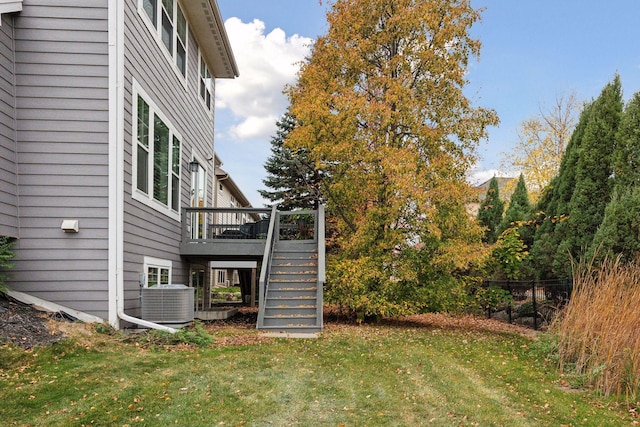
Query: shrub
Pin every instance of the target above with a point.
(191, 335)
(509, 255)
(6, 255)
(492, 298)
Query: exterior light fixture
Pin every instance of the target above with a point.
(194, 165)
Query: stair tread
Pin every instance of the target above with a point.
(311, 328)
(281, 281)
(290, 307)
(290, 316)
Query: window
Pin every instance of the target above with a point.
(205, 83)
(156, 158)
(222, 277)
(158, 271)
(170, 25)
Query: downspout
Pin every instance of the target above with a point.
(116, 172)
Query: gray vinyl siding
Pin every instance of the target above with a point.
(148, 232)
(8, 178)
(61, 65)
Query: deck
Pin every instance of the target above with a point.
(224, 233)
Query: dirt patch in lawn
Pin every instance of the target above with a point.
(25, 326)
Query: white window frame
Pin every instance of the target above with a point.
(159, 264)
(221, 277)
(208, 86)
(196, 216)
(137, 194)
(155, 27)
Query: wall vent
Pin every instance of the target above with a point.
(168, 304)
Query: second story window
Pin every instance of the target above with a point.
(205, 83)
(171, 26)
(156, 159)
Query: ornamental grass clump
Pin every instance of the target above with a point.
(599, 334)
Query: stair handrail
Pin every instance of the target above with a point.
(266, 266)
(322, 276)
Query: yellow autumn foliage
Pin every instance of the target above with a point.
(380, 108)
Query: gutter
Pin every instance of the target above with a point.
(116, 172)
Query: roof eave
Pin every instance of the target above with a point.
(207, 26)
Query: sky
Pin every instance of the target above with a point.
(532, 52)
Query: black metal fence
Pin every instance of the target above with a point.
(535, 302)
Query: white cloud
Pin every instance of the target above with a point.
(254, 127)
(267, 62)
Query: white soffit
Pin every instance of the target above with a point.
(208, 28)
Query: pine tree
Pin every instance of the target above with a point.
(619, 233)
(490, 212)
(519, 208)
(594, 170)
(626, 159)
(553, 207)
(291, 175)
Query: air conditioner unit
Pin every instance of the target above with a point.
(168, 304)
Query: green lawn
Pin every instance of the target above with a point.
(351, 376)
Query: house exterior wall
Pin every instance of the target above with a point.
(61, 84)
(8, 176)
(57, 141)
(147, 231)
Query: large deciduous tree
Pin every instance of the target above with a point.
(381, 110)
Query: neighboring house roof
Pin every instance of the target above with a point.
(506, 186)
(227, 181)
(208, 28)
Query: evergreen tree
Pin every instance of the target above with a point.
(553, 207)
(519, 208)
(490, 212)
(619, 233)
(291, 175)
(626, 160)
(594, 169)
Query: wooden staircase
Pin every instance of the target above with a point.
(292, 303)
